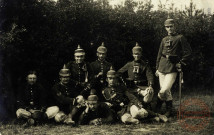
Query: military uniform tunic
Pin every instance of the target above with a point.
(64, 96)
(138, 71)
(32, 97)
(98, 83)
(120, 99)
(172, 50)
(81, 75)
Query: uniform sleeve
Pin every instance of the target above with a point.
(123, 69)
(133, 99)
(186, 50)
(20, 98)
(60, 97)
(149, 75)
(159, 55)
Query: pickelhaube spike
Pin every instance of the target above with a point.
(102, 48)
(137, 49)
(64, 71)
(111, 72)
(79, 51)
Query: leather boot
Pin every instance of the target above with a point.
(158, 105)
(168, 108)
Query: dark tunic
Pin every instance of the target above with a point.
(32, 97)
(81, 75)
(139, 71)
(174, 47)
(102, 111)
(118, 95)
(98, 83)
(64, 96)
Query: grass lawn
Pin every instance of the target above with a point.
(172, 127)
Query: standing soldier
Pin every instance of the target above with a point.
(80, 71)
(174, 51)
(138, 72)
(65, 96)
(100, 67)
(31, 100)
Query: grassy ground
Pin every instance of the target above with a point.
(172, 127)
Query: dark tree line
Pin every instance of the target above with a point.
(42, 35)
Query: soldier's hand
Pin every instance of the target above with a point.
(80, 99)
(108, 104)
(157, 73)
(149, 89)
(99, 74)
(121, 104)
(87, 107)
(178, 66)
(95, 122)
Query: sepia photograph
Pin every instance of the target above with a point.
(106, 67)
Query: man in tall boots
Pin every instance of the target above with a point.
(174, 51)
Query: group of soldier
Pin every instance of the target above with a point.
(95, 93)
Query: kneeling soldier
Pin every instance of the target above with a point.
(31, 100)
(139, 70)
(96, 113)
(65, 97)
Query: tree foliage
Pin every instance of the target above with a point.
(43, 34)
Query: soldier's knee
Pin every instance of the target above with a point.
(161, 96)
(52, 111)
(22, 113)
(138, 113)
(125, 117)
(60, 116)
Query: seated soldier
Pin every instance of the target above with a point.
(65, 98)
(99, 69)
(128, 108)
(96, 113)
(138, 70)
(31, 100)
(121, 101)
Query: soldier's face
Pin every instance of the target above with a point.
(31, 79)
(170, 29)
(92, 105)
(137, 56)
(64, 79)
(101, 56)
(79, 58)
(111, 81)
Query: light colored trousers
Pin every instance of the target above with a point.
(166, 83)
(135, 114)
(54, 112)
